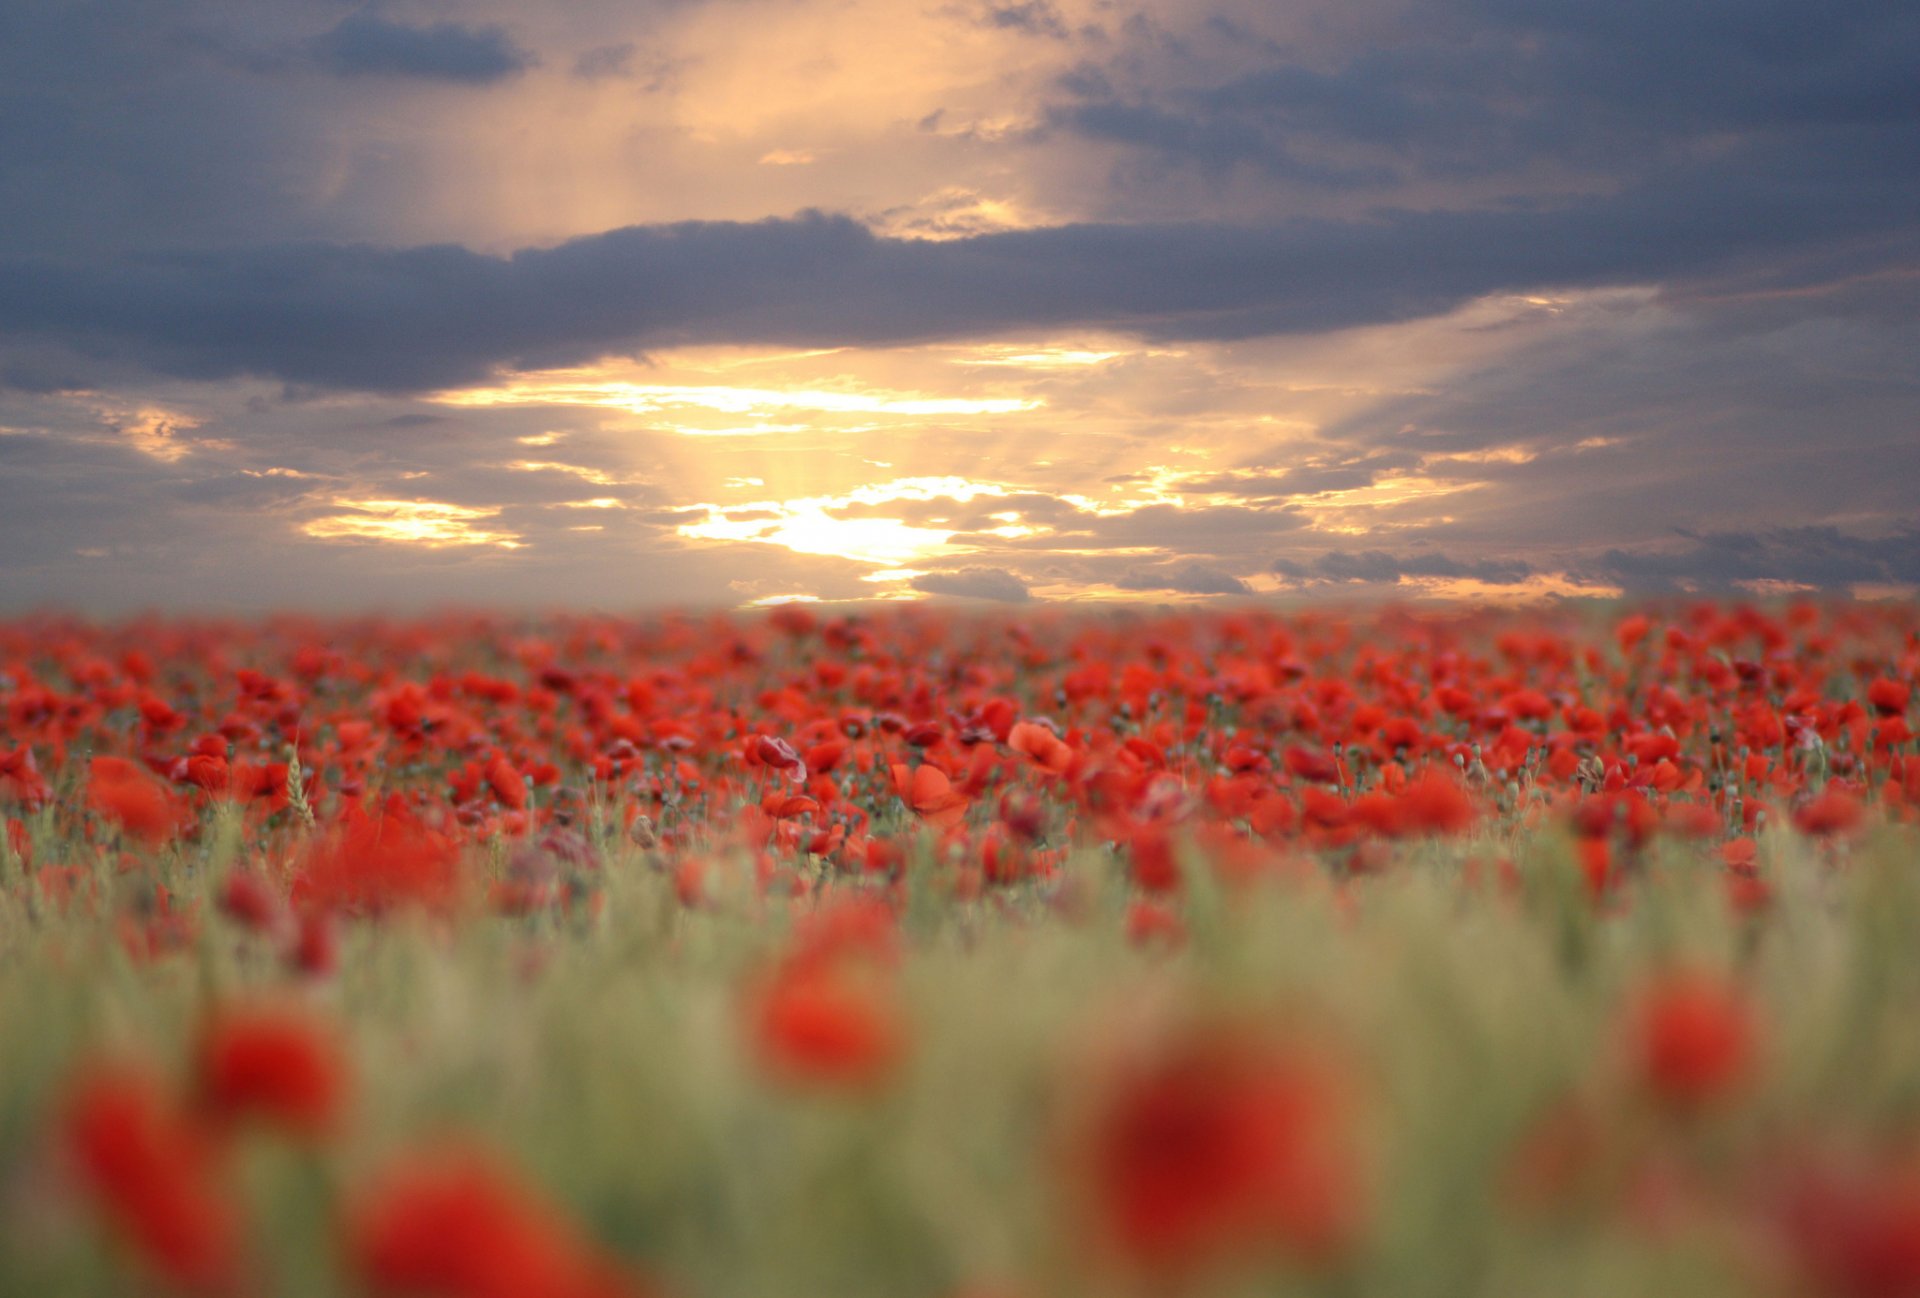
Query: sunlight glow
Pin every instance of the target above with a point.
(1495, 455)
(1048, 358)
(428, 523)
(163, 435)
(589, 388)
(1351, 512)
(598, 477)
(813, 525)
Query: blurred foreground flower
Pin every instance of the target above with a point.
(152, 1170)
(826, 1026)
(1854, 1226)
(1219, 1145)
(1692, 1039)
(275, 1065)
(450, 1222)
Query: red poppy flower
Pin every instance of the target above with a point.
(272, 1064)
(1888, 697)
(375, 863)
(1832, 813)
(152, 1171)
(450, 1222)
(1041, 746)
(928, 791)
(1434, 803)
(507, 783)
(1854, 1228)
(1217, 1145)
(1692, 1039)
(827, 1027)
(129, 795)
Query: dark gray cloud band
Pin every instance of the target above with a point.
(365, 44)
(367, 317)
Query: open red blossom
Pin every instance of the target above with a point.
(275, 1065)
(1041, 746)
(1692, 1039)
(128, 795)
(1215, 1146)
(451, 1222)
(930, 793)
(826, 1027)
(1888, 697)
(152, 1171)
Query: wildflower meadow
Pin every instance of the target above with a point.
(910, 953)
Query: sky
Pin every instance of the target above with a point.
(615, 305)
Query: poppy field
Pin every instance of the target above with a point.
(912, 953)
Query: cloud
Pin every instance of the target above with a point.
(1814, 556)
(974, 583)
(1313, 476)
(1479, 88)
(1185, 579)
(614, 60)
(361, 316)
(364, 44)
(1381, 567)
(1032, 17)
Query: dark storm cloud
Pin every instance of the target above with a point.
(1814, 556)
(974, 583)
(359, 316)
(1380, 566)
(364, 44)
(1488, 87)
(1769, 145)
(1185, 579)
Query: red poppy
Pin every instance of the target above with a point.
(1434, 803)
(1854, 1227)
(1832, 813)
(1692, 1040)
(1216, 1145)
(129, 795)
(374, 863)
(151, 1168)
(272, 1064)
(827, 1027)
(1041, 746)
(928, 791)
(1888, 697)
(451, 1222)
